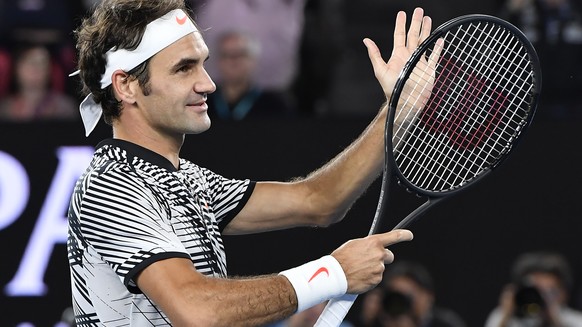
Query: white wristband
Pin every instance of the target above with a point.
(317, 281)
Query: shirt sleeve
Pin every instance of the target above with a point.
(124, 222)
(228, 196)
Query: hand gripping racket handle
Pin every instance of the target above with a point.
(335, 311)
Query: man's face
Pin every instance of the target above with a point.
(550, 287)
(179, 83)
(33, 69)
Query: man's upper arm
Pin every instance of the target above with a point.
(273, 206)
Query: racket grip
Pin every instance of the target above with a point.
(335, 311)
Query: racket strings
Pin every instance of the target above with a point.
(454, 125)
(468, 98)
(464, 109)
(438, 151)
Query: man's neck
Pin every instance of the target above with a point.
(167, 147)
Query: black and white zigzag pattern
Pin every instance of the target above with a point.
(127, 212)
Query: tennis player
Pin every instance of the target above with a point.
(145, 225)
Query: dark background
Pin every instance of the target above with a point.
(530, 202)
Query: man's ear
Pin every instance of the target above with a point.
(123, 90)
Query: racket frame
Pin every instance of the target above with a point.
(407, 70)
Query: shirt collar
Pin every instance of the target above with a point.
(135, 150)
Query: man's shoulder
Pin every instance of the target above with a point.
(105, 167)
(104, 163)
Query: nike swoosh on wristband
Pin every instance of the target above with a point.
(182, 20)
(319, 271)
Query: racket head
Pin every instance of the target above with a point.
(478, 92)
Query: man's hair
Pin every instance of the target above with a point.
(544, 262)
(411, 270)
(118, 24)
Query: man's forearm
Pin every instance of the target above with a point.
(343, 179)
(238, 302)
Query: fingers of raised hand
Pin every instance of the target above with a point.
(426, 28)
(374, 54)
(400, 30)
(416, 26)
(436, 52)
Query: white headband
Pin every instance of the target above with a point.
(158, 35)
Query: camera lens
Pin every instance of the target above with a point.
(396, 303)
(528, 302)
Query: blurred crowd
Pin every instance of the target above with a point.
(538, 293)
(270, 58)
(555, 29)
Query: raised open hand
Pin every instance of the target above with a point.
(417, 89)
(404, 45)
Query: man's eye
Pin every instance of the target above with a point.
(184, 69)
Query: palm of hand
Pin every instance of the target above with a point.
(418, 87)
(391, 70)
(404, 45)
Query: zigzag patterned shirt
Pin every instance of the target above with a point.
(131, 208)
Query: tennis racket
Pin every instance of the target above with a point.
(459, 106)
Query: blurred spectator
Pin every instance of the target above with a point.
(33, 95)
(43, 22)
(555, 29)
(537, 295)
(410, 299)
(237, 95)
(407, 299)
(370, 312)
(277, 25)
(5, 68)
